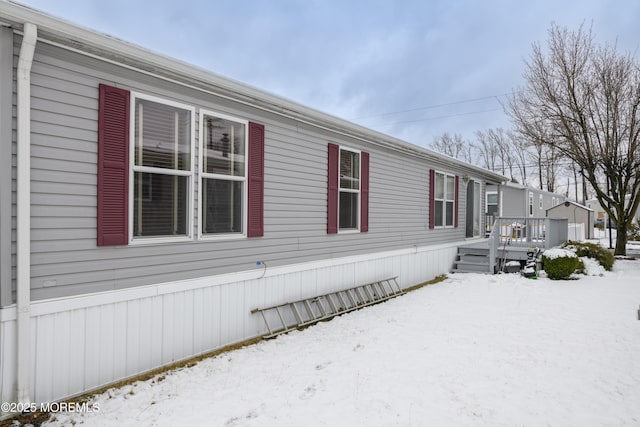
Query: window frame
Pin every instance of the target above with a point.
(444, 200)
(202, 175)
(133, 168)
(496, 204)
(349, 190)
(530, 203)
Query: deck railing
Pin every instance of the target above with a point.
(543, 233)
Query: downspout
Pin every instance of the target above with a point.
(23, 217)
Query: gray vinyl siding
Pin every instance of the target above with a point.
(547, 202)
(65, 258)
(515, 202)
(7, 199)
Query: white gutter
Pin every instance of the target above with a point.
(23, 217)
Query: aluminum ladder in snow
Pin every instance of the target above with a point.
(288, 316)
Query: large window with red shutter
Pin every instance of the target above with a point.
(147, 169)
(223, 175)
(348, 190)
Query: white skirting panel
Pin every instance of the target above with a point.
(85, 342)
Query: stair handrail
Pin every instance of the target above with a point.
(494, 243)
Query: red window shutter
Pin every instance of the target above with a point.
(364, 192)
(432, 195)
(455, 204)
(332, 188)
(113, 166)
(255, 208)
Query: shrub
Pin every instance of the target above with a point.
(592, 250)
(559, 263)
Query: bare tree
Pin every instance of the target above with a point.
(574, 169)
(488, 150)
(521, 154)
(497, 138)
(584, 101)
(551, 159)
(501, 151)
(454, 146)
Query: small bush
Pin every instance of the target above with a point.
(559, 263)
(591, 250)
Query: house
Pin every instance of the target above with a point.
(580, 219)
(523, 225)
(600, 215)
(147, 206)
(516, 200)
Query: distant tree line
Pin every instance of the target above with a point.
(505, 152)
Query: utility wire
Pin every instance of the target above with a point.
(429, 107)
(438, 117)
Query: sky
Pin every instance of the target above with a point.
(412, 69)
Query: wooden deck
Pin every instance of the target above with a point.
(512, 252)
(510, 240)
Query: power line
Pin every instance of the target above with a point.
(429, 107)
(439, 117)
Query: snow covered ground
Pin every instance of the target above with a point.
(473, 350)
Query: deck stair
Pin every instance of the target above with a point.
(288, 316)
(472, 260)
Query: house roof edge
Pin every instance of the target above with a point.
(71, 35)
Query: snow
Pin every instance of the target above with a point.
(592, 267)
(475, 349)
(554, 253)
(602, 238)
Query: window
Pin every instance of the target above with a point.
(162, 162)
(146, 172)
(492, 204)
(349, 193)
(347, 190)
(444, 200)
(223, 175)
(540, 202)
(530, 204)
